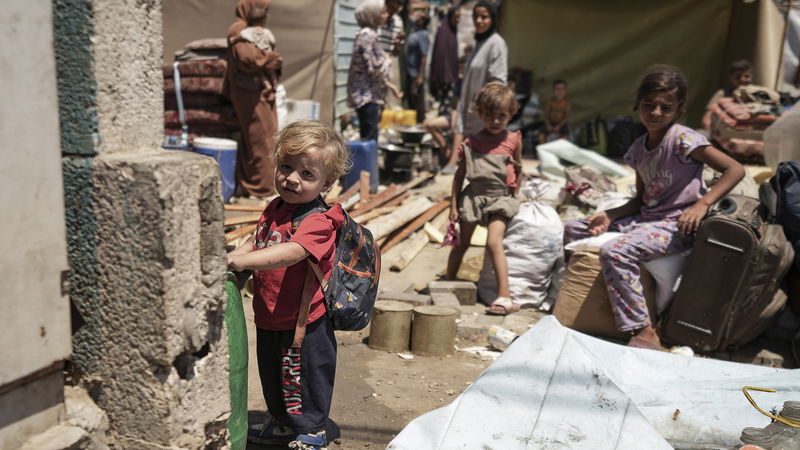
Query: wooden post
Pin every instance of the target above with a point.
(364, 186)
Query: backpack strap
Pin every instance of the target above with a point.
(305, 308)
(305, 301)
(312, 270)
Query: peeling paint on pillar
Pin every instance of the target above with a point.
(77, 87)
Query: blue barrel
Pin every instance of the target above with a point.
(365, 157)
(224, 152)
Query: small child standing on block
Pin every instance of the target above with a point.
(556, 114)
(297, 382)
(492, 162)
(671, 200)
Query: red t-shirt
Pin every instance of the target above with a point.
(504, 144)
(276, 301)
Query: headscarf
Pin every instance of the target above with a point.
(368, 14)
(242, 13)
(492, 12)
(444, 59)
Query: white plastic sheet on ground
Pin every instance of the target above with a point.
(557, 388)
(550, 153)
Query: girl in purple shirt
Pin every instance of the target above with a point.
(671, 200)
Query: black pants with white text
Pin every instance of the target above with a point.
(298, 383)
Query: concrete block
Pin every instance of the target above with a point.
(468, 328)
(405, 286)
(154, 342)
(763, 357)
(465, 291)
(446, 299)
(414, 299)
(58, 438)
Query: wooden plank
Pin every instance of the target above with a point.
(383, 226)
(415, 225)
(330, 198)
(412, 248)
(246, 208)
(397, 200)
(239, 232)
(376, 200)
(239, 220)
(351, 191)
(384, 197)
(375, 213)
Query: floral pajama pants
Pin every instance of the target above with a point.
(620, 258)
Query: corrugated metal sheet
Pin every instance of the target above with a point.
(344, 34)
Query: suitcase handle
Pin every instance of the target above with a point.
(728, 206)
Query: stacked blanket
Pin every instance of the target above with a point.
(739, 131)
(207, 112)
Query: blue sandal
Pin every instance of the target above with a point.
(316, 441)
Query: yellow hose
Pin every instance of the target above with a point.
(779, 418)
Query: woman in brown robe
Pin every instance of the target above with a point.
(249, 86)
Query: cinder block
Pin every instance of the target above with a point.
(414, 299)
(405, 286)
(446, 299)
(465, 291)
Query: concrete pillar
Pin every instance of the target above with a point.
(34, 323)
(144, 232)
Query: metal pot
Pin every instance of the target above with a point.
(411, 135)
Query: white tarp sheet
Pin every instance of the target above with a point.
(557, 388)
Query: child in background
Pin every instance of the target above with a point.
(491, 161)
(556, 114)
(739, 74)
(257, 33)
(297, 382)
(671, 200)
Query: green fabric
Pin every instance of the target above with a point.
(237, 347)
(602, 48)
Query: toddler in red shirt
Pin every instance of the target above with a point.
(297, 382)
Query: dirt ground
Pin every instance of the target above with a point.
(378, 393)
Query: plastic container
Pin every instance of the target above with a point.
(500, 338)
(365, 157)
(237, 363)
(224, 152)
(387, 118)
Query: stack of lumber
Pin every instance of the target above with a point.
(395, 215)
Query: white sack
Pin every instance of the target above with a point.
(533, 244)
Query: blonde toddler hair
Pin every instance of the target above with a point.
(494, 97)
(311, 136)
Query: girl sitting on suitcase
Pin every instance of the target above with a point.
(671, 200)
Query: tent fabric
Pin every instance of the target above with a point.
(557, 388)
(303, 30)
(602, 48)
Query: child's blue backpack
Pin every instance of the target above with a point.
(353, 286)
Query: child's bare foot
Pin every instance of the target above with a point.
(646, 338)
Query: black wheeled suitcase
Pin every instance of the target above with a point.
(729, 292)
